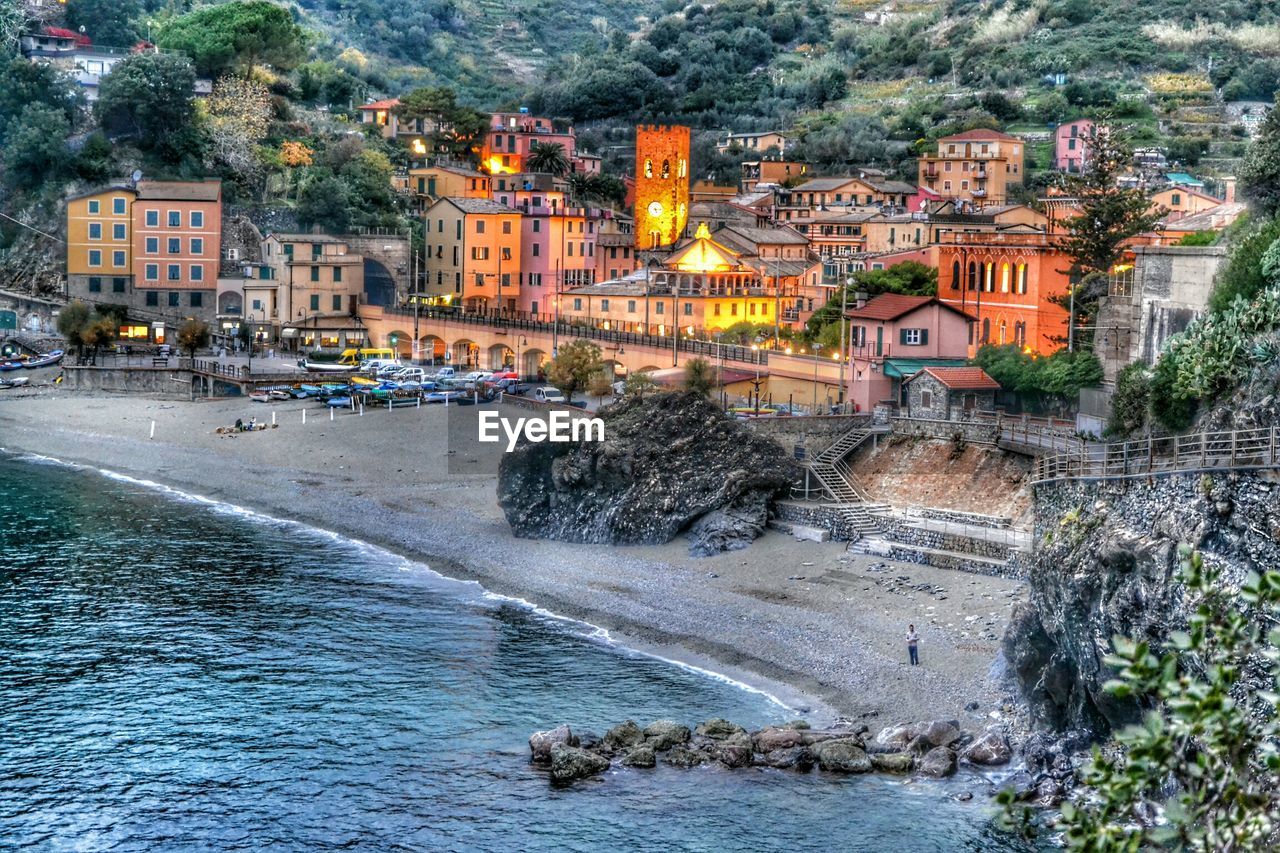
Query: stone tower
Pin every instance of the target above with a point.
(662, 185)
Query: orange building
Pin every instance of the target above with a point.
(100, 245)
(177, 237)
(662, 185)
(977, 166)
(472, 253)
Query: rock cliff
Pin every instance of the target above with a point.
(1106, 563)
(668, 463)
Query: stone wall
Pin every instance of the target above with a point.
(814, 434)
(815, 515)
(158, 382)
(35, 316)
(927, 398)
(974, 432)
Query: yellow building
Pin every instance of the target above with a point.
(662, 185)
(306, 293)
(99, 252)
(429, 183)
(472, 253)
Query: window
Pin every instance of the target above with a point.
(95, 207)
(153, 298)
(175, 246)
(95, 284)
(197, 299)
(337, 302)
(753, 309)
(506, 226)
(479, 226)
(337, 274)
(1176, 198)
(604, 304)
(95, 257)
(257, 305)
(152, 272)
(1071, 143)
(117, 285)
(153, 245)
(688, 309)
(153, 219)
(315, 302)
(537, 226)
(117, 206)
(95, 230)
(174, 297)
(926, 399)
(197, 272)
(631, 306)
(118, 231)
(986, 330)
(537, 250)
(175, 272)
(175, 218)
(197, 245)
(197, 219)
(288, 250)
(914, 337)
(117, 259)
(577, 304)
(659, 308)
(315, 273)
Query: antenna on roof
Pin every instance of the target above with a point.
(135, 177)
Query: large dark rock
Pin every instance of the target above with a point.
(938, 762)
(992, 748)
(798, 758)
(669, 463)
(842, 756)
(664, 734)
(541, 743)
(623, 736)
(570, 762)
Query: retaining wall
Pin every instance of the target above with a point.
(160, 382)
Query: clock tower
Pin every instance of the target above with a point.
(662, 185)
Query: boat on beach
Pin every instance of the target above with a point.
(14, 382)
(326, 367)
(47, 359)
(11, 365)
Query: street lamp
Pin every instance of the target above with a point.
(816, 349)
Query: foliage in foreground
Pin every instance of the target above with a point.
(1202, 771)
(572, 368)
(1045, 380)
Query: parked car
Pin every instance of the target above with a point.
(444, 397)
(375, 366)
(445, 373)
(549, 394)
(409, 374)
(509, 386)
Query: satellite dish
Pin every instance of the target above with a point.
(136, 176)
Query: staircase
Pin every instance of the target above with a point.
(849, 499)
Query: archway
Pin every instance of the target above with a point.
(230, 303)
(431, 348)
(401, 342)
(379, 285)
(500, 356)
(465, 353)
(614, 369)
(649, 368)
(531, 361)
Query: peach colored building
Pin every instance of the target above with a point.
(100, 245)
(557, 243)
(1069, 145)
(177, 246)
(511, 138)
(1183, 201)
(472, 253)
(976, 167)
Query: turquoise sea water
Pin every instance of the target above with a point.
(179, 675)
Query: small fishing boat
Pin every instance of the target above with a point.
(11, 365)
(260, 397)
(326, 367)
(309, 390)
(338, 402)
(15, 382)
(43, 360)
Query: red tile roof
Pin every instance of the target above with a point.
(961, 378)
(386, 104)
(61, 33)
(890, 306)
(980, 133)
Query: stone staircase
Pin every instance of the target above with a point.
(847, 496)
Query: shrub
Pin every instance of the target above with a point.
(1131, 401)
(1243, 275)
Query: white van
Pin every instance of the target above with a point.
(549, 394)
(445, 373)
(374, 366)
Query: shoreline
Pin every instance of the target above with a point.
(650, 600)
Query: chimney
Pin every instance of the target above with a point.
(860, 299)
(1229, 186)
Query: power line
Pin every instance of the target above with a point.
(30, 228)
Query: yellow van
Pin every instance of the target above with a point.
(355, 356)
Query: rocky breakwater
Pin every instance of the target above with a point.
(669, 463)
(928, 749)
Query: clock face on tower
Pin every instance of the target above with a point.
(655, 208)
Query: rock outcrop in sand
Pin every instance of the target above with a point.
(669, 463)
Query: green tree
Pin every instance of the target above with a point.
(909, 278)
(598, 188)
(1200, 772)
(1131, 401)
(98, 332)
(1169, 408)
(107, 22)
(1260, 172)
(236, 36)
(452, 128)
(1053, 380)
(96, 161)
(324, 201)
(638, 384)
(72, 320)
(571, 370)
(150, 96)
(548, 158)
(24, 83)
(193, 334)
(1242, 275)
(699, 376)
(35, 147)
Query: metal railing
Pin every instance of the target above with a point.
(1203, 451)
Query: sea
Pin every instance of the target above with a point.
(181, 674)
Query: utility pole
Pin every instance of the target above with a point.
(844, 307)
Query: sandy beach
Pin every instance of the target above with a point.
(817, 627)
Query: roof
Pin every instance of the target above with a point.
(1188, 191)
(384, 104)
(121, 188)
(1213, 219)
(209, 190)
(767, 236)
(891, 306)
(960, 378)
(301, 237)
(901, 368)
(1184, 179)
(733, 135)
(980, 133)
(892, 186)
(823, 184)
(62, 33)
(445, 167)
(478, 205)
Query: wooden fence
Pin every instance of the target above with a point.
(1204, 451)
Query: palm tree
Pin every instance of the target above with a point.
(547, 157)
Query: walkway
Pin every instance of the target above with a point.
(1227, 450)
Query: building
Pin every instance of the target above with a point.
(892, 337)
(177, 247)
(1179, 201)
(511, 137)
(757, 142)
(786, 265)
(1215, 218)
(473, 252)
(977, 167)
(305, 292)
(662, 185)
(1069, 145)
(428, 184)
(557, 245)
(770, 172)
(616, 256)
(100, 246)
(55, 45)
(414, 132)
(950, 393)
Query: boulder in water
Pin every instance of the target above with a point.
(799, 758)
(664, 734)
(623, 736)
(771, 737)
(991, 749)
(684, 756)
(842, 756)
(641, 756)
(938, 762)
(569, 763)
(893, 762)
(717, 729)
(541, 743)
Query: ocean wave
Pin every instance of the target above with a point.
(579, 627)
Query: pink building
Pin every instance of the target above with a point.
(512, 135)
(557, 242)
(892, 337)
(1069, 145)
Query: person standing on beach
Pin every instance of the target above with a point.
(913, 640)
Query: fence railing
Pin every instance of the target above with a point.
(1204, 451)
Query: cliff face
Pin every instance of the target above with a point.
(1106, 562)
(669, 462)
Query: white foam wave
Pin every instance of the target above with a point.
(583, 629)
